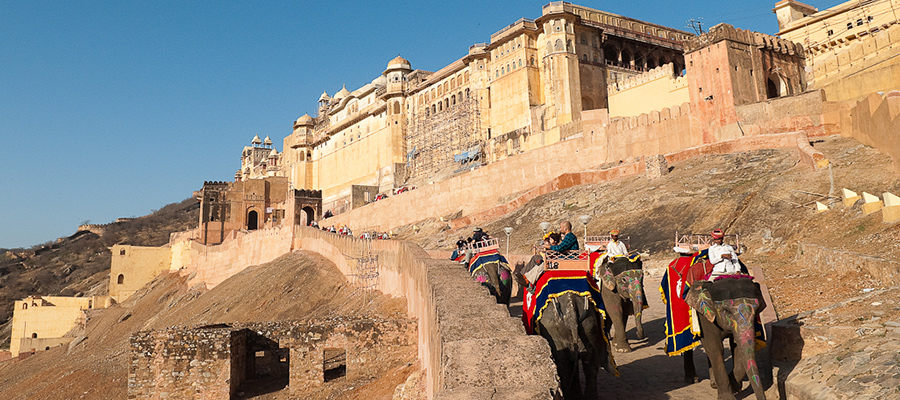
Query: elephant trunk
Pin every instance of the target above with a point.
(634, 289)
(743, 317)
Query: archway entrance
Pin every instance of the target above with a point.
(252, 220)
(772, 87)
(309, 215)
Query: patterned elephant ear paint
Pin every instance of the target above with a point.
(699, 298)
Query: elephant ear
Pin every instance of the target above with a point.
(606, 276)
(762, 300)
(699, 299)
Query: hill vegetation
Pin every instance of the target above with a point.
(78, 265)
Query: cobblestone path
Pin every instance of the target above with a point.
(647, 372)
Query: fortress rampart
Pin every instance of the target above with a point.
(457, 318)
(652, 90)
(669, 131)
(873, 121)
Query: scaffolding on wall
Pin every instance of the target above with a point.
(444, 139)
(364, 274)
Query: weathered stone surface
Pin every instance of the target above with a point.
(499, 362)
(866, 368)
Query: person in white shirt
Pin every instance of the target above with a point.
(615, 248)
(722, 256)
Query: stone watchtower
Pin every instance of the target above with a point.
(298, 147)
(394, 96)
(730, 67)
(562, 85)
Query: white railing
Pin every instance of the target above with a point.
(698, 241)
(484, 245)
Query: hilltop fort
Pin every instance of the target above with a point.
(575, 96)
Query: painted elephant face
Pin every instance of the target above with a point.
(631, 284)
(735, 301)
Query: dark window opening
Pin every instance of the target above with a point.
(34, 335)
(334, 364)
(121, 279)
(252, 221)
(771, 89)
(122, 252)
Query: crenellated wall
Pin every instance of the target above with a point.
(650, 91)
(873, 121)
(728, 32)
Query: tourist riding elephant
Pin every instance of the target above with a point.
(574, 329)
(491, 269)
(729, 306)
(623, 295)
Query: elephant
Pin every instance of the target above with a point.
(492, 270)
(728, 307)
(622, 289)
(575, 331)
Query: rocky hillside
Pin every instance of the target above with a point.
(763, 195)
(78, 265)
(297, 286)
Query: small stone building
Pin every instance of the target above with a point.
(41, 322)
(217, 361)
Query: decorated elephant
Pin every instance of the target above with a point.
(491, 269)
(622, 287)
(729, 307)
(564, 306)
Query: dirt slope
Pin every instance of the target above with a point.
(79, 264)
(754, 193)
(297, 286)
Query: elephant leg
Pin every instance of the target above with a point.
(591, 368)
(745, 366)
(638, 308)
(617, 315)
(567, 368)
(712, 343)
(690, 372)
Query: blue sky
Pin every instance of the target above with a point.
(114, 108)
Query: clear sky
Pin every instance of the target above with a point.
(115, 108)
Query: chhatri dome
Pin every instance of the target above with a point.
(343, 93)
(255, 140)
(267, 142)
(304, 120)
(324, 96)
(399, 62)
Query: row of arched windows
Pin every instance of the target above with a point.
(557, 46)
(446, 103)
(511, 66)
(446, 87)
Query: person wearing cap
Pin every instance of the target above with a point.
(722, 256)
(615, 248)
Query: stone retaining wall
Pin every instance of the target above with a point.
(888, 271)
(464, 337)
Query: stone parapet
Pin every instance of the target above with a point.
(727, 32)
(456, 316)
